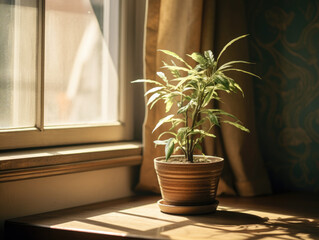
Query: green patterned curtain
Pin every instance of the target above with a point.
(285, 46)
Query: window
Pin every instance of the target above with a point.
(61, 72)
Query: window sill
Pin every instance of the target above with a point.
(27, 164)
(273, 217)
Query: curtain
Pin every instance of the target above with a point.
(186, 26)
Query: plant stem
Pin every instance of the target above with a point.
(191, 138)
(186, 125)
(191, 146)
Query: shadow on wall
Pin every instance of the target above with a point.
(284, 46)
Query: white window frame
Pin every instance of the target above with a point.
(40, 136)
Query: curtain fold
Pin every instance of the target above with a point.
(186, 26)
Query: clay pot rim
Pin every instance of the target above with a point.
(214, 159)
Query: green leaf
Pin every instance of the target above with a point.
(181, 80)
(166, 132)
(182, 132)
(201, 132)
(239, 88)
(170, 99)
(152, 98)
(198, 146)
(175, 72)
(208, 97)
(230, 43)
(169, 103)
(222, 82)
(163, 120)
(174, 55)
(160, 142)
(209, 55)
(186, 80)
(237, 125)
(188, 88)
(209, 134)
(162, 76)
(213, 118)
(230, 64)
(169, 148)
(220, 112)
(175, 68)
(152, 90)
(240, 70)
(147, 81)
(184, 108)
(175, 122)
(200, 122)
(198, 58)
(181, 148)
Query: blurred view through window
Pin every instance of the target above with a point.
(81, 62)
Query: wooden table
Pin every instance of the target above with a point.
(288, 216)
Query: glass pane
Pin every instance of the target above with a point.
(81, 62)
(18, 51)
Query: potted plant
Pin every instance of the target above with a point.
(189, 182)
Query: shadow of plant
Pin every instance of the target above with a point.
(255, 227)
(298, 228)
(235, 218)
(247, 226)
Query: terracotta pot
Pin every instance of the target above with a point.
(189, 184)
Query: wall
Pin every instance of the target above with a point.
(20, 198)
(285, 37)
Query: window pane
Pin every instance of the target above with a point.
(81, 62)
(18, 51)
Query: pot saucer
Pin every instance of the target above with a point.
(187, 210)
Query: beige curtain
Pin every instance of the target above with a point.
(186, 26)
